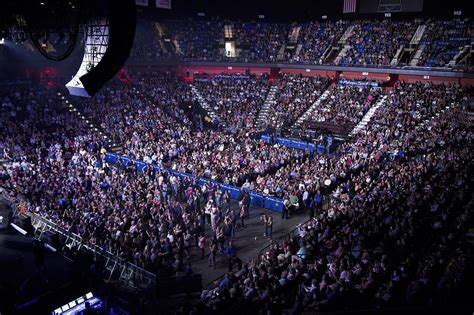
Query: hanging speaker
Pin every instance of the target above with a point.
(107, 46)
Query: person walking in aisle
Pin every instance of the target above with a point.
(202, 243)
(212, 254)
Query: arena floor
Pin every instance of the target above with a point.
(248, 242)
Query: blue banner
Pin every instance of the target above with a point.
(266, 138)
(291, 143)
(257, 199)
(274, 204)
(357, 83)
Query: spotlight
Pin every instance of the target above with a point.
(2, 41)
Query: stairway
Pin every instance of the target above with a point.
(416, 57)
(281, 52)
(334, 53)
(368, 116)
(346, 35)
(262, 117)
(288, 49)
(311, 109)
(395, 59)
(294, 34)
(161, 34)
(459, 56)
(415, 40)
(176, 46)
(88, 120)
(204, 104)
(298, 49)
(342, 53)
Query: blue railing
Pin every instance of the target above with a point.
(295, 143)
(256, 199)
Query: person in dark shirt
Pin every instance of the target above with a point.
(89, 310)
(232, 255)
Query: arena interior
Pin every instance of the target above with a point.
(244, 157)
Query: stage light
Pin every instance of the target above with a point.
(2, 41)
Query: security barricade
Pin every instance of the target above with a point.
(291, 143)
(256, 199)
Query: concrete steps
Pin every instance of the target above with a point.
(346, 35)
(417, 55)
(342, 53)
(368, 116)
(262, 117)
(415, 40)
(311, 109)
(395, 59)
(459, 55)
(204, 104)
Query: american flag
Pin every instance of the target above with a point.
(349, 6)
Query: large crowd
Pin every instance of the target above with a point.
(443, 40)
(316, 38)
(260, 42)
(295, 94)
(376, 42)
(345, 105)
(371, 42)
(236, 99)
(386, 239)
(400, 185)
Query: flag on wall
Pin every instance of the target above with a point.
(163, 4)
(142, 2)
(349, 6)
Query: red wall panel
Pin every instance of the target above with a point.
(324, 73)
(415, 78)
(188, 71)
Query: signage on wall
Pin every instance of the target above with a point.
(457, 12)
(365, 73)
(142, 2)
(163, 4)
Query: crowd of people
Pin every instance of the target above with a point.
(295, 94)
(316, 38)
(196, 39)
(376, 42)
(260, 42)
(236, 100)
(399, 184)
(387, 237)
(345, 105)
(371, 42)
(146, 117)
(443, 40)
(54, 164)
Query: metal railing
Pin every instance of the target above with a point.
(119, 269)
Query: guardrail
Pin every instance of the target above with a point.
(295, 143)
(126, 272)
(256, 199)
